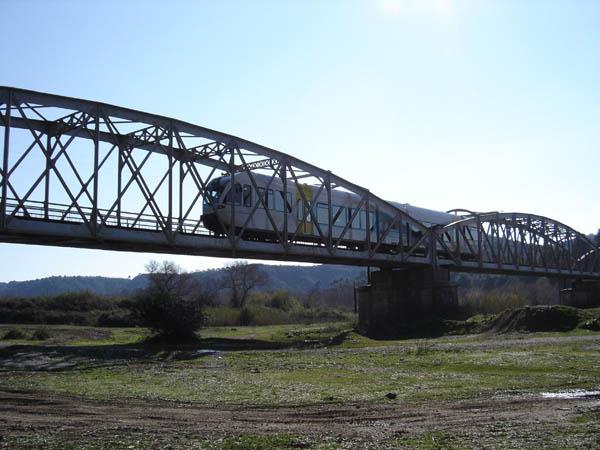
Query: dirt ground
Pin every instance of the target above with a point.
(519, 421)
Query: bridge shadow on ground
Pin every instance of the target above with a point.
(52, 358)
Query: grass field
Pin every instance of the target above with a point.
(294, 366)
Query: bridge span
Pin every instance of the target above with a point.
(80, 173)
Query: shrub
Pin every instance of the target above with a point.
(477, 301)
(222, 316)
(171, 305)
(76, 308)
(41, 334)
(15, 333)
(118, 318)
(284, 301)
(591, 324)
(261, 315)
(246, 317)
(172, 318)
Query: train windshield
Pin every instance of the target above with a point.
(214, 190)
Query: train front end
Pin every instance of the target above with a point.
(213, 205)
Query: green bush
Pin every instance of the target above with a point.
(15, 333)
(262, 315)
(284, 301)
(76, 308)
(41, 334)
(117, 318)
(246, 317)
(478, 301)
(217, 316)
(591, 324)
(171, 317)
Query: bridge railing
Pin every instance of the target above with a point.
(62, 213)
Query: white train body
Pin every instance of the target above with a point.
(220, 203)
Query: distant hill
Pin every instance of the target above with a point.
(292, 278)
(297, 279)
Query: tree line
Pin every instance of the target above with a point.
(175, 303)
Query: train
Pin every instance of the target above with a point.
(222, 204)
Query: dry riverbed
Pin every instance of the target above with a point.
(485, 391)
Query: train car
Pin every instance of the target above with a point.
(222, 205)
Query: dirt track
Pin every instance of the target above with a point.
(516, 419)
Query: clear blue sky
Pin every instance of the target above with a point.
(486, 105)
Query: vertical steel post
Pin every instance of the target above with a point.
(377, 222)
(329, 213)
(181, 179)
(5, 161)
(433, 247)
(283, 164)
(368, 228)
(47, 177)
(457, 235)
(479, 241)
(170, 154)
(119, 182)
(94, 218)
(232, 199)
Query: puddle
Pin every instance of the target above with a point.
(568, 395)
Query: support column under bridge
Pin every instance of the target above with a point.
(395, 301)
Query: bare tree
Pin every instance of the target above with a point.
(311, 298)
(241, 278)
(168, 279)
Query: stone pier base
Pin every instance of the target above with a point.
(396, 299)
(582, 294)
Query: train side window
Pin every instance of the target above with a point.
(322, 214)
(363, 220)
(372, 221)
(356, 223)
(279, 201)
(339, 216)
(247, 196)
(261, 191)
(268, 198)
(290, 202)
(237, 196)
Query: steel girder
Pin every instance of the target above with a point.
(76, 162)
(87, 174)
(516, 243)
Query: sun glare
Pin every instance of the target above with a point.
(440, 8)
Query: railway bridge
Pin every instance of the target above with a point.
(80, 173)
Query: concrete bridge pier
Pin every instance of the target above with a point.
(581, 294)
(394, 300)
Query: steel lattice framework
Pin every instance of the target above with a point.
(86, 174)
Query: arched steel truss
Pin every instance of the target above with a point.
(516, 242)
(87, 174)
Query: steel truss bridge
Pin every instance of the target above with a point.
(79, 173)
